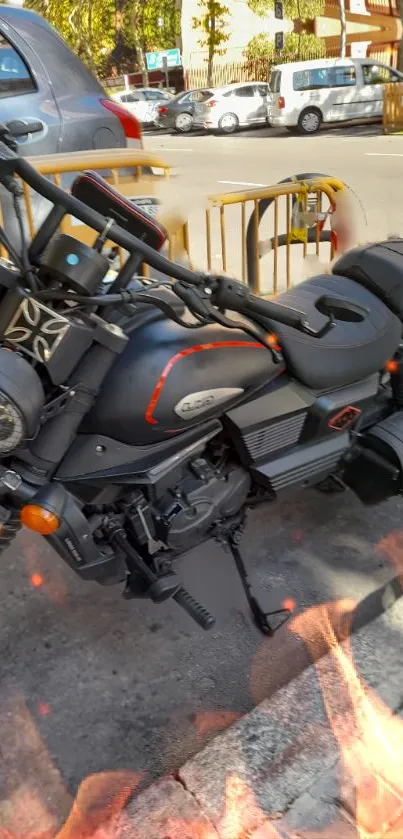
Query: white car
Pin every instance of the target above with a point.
(305, 94)
(142, 102)
(233, 106)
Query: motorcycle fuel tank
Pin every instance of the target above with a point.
(170, 378)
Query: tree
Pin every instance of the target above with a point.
(296, 47)
(293, 9)
(118, 32)
(87, 25)
(213, 22)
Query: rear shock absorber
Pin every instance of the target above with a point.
(9, 529)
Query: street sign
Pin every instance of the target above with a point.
(155, 60)
(279, 41)
(278, 10)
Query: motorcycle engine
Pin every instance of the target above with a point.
(183, 515)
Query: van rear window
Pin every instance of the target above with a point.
(275, 81)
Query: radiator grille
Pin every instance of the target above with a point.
(276, 436)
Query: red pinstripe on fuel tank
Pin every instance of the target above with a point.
(182, 354)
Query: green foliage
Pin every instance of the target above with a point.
(213, 24)
(296, 47)
(293, 9)
(93, 30)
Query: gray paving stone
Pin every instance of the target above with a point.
(165, 811)
(285, 745)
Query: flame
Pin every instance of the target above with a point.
(207, 722)
(36, 580)
(369, 736)
(370, 739)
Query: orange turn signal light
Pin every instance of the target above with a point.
(39, 519)
(392, 366)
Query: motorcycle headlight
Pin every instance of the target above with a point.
(21, 400)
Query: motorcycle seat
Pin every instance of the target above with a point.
(379, 268)
(365, 336)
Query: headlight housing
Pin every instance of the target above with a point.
(21, 400)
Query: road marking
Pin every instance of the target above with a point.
(382, 154)
(240, 183)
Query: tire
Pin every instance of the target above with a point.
(228, 123)
(309, 121)
(183, 123)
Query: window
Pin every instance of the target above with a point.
(313, 79)
(129, 97)
(376, 74)
(262, 89)
(245, 92)
(199, 95)
(15, 77)
(275, 81)
(154, 95)
(342, 76)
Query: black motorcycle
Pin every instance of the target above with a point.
(141, 419)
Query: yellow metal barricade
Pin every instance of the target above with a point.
(132, 172)
(392, 108)
(237, 238)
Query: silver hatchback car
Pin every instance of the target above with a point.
(233, 106)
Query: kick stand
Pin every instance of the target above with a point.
(260, 617)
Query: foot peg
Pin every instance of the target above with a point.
(142, 582)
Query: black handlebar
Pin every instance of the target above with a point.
(224, 292)
(95, 220)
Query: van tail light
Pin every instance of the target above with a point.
(211, 104)
(162, 110)
(128, 121)
(281, 102)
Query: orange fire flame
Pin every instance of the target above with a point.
(369, 736)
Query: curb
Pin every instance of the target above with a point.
(277, 768)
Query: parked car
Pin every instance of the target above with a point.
(178, 113)
(142, 102)
(50, 99)
(233, 106)
(305, 94)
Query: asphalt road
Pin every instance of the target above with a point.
(112, 684)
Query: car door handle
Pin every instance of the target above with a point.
(20, 127)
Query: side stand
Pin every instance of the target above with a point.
(260, 617)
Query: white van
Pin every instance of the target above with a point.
(304, 94)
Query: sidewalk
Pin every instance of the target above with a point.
(277, 772)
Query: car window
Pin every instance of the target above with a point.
(153, 95)
(130, 97)
(262, 89)
(376, 74)
(342, 76)
(245, 92)
(15, 77)
(313, 79)
(275, 81)
(199, 95)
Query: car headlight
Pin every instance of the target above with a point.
(21, 400)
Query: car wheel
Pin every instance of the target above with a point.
(228, 123)
(184, 123)
(310, 121)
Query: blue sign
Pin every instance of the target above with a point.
(155, 60)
